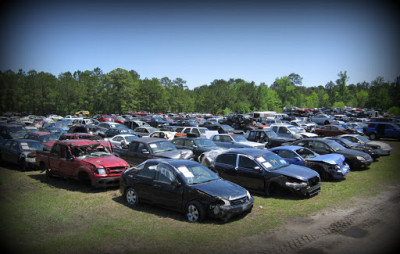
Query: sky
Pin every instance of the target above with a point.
(200, 41)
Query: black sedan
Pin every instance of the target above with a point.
(374, 152)
(197, 145)
(21, 152)
(264, 171)
(356, 159)
(185, 186)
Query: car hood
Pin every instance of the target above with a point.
(106, 161)
(298, 172)
(251, 144)
(309, 135)
(332, 158)
(222, 189)
(383, 145)
(353, 152)
(175, 154)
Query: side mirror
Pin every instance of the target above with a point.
(257, 168)
(175, 184)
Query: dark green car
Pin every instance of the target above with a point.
(197, 145)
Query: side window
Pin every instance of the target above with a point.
(149, 170)
(165, 173)
(142, 148)
(118, 139)
(252, 135)
(388, 127)
(217, 138)
(320, 146)
(226, 139)
(283, 130)
(229, 159)
(195, 131)
(56, 149)
(14, 146)
(187, 130)
(245, 162)
(287, 154)
(189, 143)
(133, 146)
(275, 128)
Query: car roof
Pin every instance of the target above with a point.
(79, 142)
(149, 140)
(248, 151)
(291, 148)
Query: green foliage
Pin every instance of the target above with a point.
(121, 90)
(394, 111)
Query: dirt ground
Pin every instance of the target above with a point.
(361, 226)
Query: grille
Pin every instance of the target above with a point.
(313, 181)
(239, 201)
(116, 170)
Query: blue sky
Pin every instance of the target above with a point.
(201, 41)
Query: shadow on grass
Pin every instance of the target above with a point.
(67, 184)
(164, 212)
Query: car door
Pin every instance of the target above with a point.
(390, 131)
(249, 174)
(12, 154)
(67, 165)
(164, 192)
(320, 147)
(143, 182)
(225, 165)
(6, 151)
(54, 158)
(291, 157)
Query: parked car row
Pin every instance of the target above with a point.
(192, 169)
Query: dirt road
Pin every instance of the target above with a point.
(365, 226)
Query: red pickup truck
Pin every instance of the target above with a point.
(88, 161)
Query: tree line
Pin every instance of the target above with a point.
(120, 91)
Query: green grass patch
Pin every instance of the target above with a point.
(61, 216)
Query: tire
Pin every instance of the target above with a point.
(22, 165)
(85, 179)
(194, 212)
(372, 136)
(131, 197)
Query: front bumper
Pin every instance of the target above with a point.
(362, 164)
(226, 212)
(106, 182)
(341, 172)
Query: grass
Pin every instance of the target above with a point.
(61, 216)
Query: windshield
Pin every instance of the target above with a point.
(204, 142)
(335, 145)
(130, 138)
(47, 138)
(239, 138)
(363, 139)
(271, 161)
(162, 146)
(90, 151)
(31, 146)
(196, 173)
(294, 129)
(227, 127)
(271, 134)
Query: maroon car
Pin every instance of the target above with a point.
(331, 130)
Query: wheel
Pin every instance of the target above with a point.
(326, 122)
(85, 179)
(131, 197)
(22, 164)
(372, 136)
(194, 211)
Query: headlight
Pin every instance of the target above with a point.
(101, 171)
(225, 202)
(360, 158)
(248, 195)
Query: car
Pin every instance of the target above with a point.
(264, 171)
(328, 166)
(356, 159)
(268, 137)
(12, 131)
(41, 136)
(106, 118)
(21, 152)
(144, 131)
(376, 130)
(202, 132)
(157, 122)
(168, 135)
(184, 186)
(197, 145)
(142, 149)
(82, 113)
(375, 152)
(132, 124)
(234, 141)
(290, 131)
(322, 119)
(331, 130)
(308, 126)
(386, 149)
(122, 139)
(116, 131)
(109, 125)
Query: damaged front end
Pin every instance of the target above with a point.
(307, 188)
(330, 166)
(225, 209)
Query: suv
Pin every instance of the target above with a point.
(291, 131)
(267, 137)
(377, 130)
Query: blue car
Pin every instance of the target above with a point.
(329, 166)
